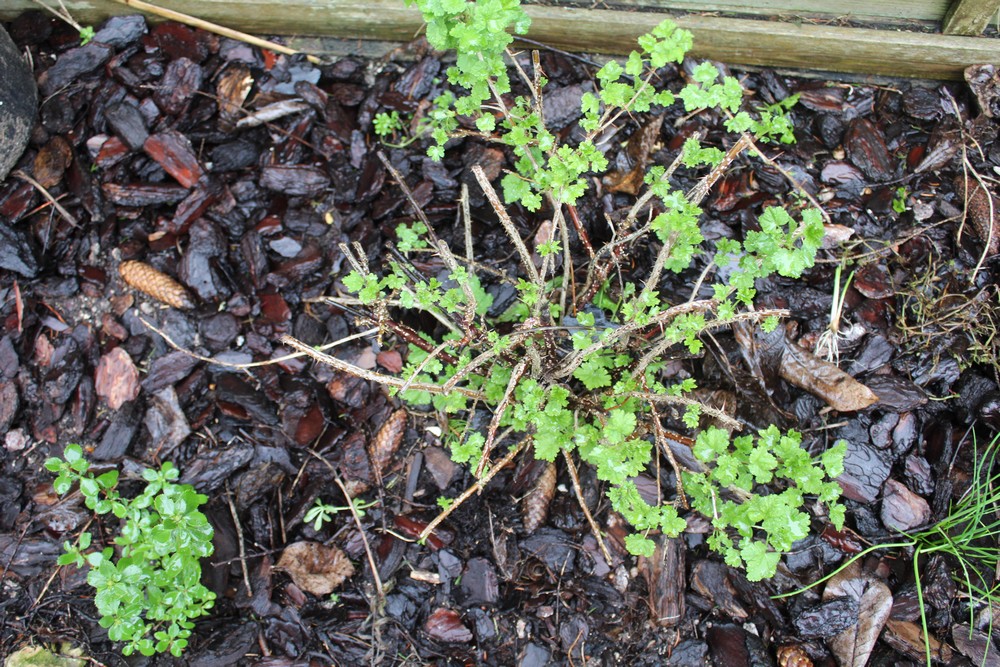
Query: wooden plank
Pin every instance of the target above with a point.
(969, 17)
(795, 45)
(889, 11)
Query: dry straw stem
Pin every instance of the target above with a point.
(380, 591)
(194, 22)
(67, 216)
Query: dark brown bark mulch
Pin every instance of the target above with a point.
(232, 175)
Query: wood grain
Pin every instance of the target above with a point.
(793, 45)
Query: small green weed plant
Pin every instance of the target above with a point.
(576, 365)
(148, 586)
(322, 512)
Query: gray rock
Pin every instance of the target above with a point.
(18, 103)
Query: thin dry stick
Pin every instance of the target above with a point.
(251, 364)
(372, 376)
(364, 539)
(67, 216)
(784, 172)
(423, 364)
(63, 15)
(239, 537)
(45, 588)
(187, 19)
(477, 486)
(594, 528)
(515, 338)
(508, 226)
(417, 209)
(470, 298)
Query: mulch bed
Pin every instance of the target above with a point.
(238, 173)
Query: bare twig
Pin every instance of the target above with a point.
(695, 196)
(239, 538)
(252, 364)
(574, 360)
(661, 440)
(722, 417)
(379, 590)
(578, 490)
(67, 216)
(508, 395)
(477, 486)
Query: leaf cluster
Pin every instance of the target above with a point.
(580, 370)
(148, 586)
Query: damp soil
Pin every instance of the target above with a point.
(205, 189)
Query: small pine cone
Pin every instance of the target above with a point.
(156, 284)
(793, 655)
(535, 506)
(385, 443)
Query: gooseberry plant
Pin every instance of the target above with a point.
(148, 586)
(563, 369)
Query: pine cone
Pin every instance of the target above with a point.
(156, 284)
(793, 655)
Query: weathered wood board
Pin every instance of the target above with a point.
(798, 44)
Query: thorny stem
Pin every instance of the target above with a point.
(722, 417)
(253, 364)
(470, 298)
(695, 195)
(508, 394)
(508, 226)
(371, 375)
(666, 343)
(476, 486)
(491, 353)
(617, 335)
(661, 440)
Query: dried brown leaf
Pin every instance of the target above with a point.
(315, 568)
(853, 646)
(805, 370)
